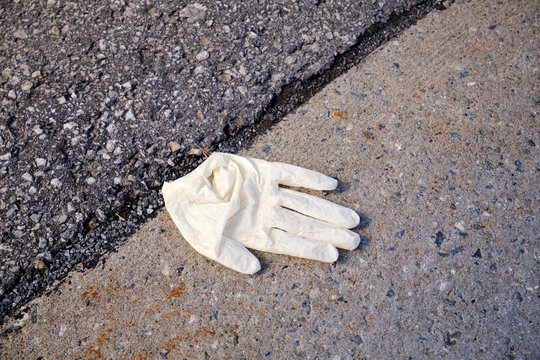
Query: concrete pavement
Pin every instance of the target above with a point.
(434, 138)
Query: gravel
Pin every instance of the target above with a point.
(102, 101)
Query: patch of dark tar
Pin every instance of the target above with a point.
(457, 250)
(356, 339)
(179, 271)
(439, 238)
(306, 304)
(450, 302)
(450, 339)
(108, 138)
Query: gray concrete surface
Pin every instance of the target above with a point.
(102, 100)
(434, 139)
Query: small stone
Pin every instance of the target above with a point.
(102, 45)
(6, 74)
(61, 100)
(91, 180)
(26, 176)
(460, 226)
(101, 215)
(5, 157)
(174, 146)
(62, 330)
(242, 70)
(25, 69)
(56, 183)
(315, 47)
(205, 41)
(193, 12)
(70, 125)
(290, 60)
(229, 94)
(199, 70)
(54, 30)
(15, 80)
(41, 162)
(12, 94)
(195, 152)
(60, 219)
(242, 90)
(224, 77)
(130, 115)
(36, 74)
(42, 243)
(32, 190)
(118, 181)
(203, 55)
(39, 264)
(20, 34)
(111, 144)
(27, 85)
(35, 217)
(111, 128)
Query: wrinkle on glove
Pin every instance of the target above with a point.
(231, 202)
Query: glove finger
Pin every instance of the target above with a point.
(285, 243)
(233, 255)
(310, 228)
(291, 175)
(318, 208)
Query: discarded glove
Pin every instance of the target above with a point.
(231, 202)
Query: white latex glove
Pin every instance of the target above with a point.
(231, 202)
